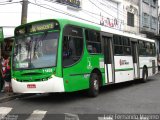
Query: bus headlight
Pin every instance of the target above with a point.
(13, 78)
(52, 76)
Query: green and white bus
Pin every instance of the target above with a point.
(60, 55)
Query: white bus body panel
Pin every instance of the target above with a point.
(123, 68)
(55, 84)
(148, 62)
(108, 73)
(136, 75)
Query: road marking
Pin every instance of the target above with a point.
(4, 111)
(37, 115)
(70, 116)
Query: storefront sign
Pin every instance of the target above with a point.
(73, 3)
(113, 23)
(1, 34)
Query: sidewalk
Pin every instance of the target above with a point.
(4, 97)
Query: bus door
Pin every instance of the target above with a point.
(135, 59)
(108, 58)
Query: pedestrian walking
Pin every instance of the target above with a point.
(1, 78)
(6, 74)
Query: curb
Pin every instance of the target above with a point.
(7, 98)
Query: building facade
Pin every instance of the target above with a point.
(131, 16)
(134, 16)
(149, 17)
(107, 13)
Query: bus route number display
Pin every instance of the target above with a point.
(41, 27)
(38, 27)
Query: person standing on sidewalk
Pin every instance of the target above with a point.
(1, 78)
(6, 74)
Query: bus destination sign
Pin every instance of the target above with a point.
(37, 27)
(41, 27)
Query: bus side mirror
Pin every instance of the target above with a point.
(16, 50)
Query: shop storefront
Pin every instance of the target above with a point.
(1, 40)
(5, 50)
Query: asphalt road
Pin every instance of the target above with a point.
(125, 98)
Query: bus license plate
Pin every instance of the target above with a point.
(31, 86)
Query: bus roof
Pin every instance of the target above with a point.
(64, 22)
(131, 35)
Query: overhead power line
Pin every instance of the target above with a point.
(112, 15)
(117, 10)
(62, 12)
(91, 14)
(7, 3)
(120, 20)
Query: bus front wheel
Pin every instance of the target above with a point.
(94, 85)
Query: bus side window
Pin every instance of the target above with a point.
(153, 49)
(118, 45)
(127, 46)
(93, 41)
(142, 48)
(72, 45)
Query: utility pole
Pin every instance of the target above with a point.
(24, 11)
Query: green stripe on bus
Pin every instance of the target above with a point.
(124, 69)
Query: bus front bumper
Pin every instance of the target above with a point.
(54, 84)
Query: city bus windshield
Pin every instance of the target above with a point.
(35, 51)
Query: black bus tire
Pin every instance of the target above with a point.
(144, 75)
(94, 85)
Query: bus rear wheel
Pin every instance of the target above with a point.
(94, 85)
(145, 74)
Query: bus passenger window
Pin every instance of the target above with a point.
(127, 46)
(72, 46)
(118, 45)
(142, 48)
(93, 41)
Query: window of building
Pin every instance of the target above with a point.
(145, 20)
(72, 45)
(153, 23)
(130, 19)
(153, 3)
(146, 1)
(93, 41)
